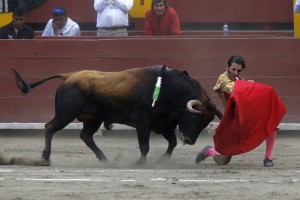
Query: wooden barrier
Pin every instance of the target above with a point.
(202, 33)
(270, 60)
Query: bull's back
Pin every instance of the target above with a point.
(119, 84)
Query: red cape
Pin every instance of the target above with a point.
(252, 112)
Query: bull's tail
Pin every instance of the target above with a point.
(26, 87)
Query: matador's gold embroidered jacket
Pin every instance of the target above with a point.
(224, 87)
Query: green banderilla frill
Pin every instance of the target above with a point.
(156, 91)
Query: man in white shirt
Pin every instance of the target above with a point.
(297, 7)
(112, 17)
(61, 24)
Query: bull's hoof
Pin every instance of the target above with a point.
(42, 162)
(45, 161)
(45, 157)
(105, 164)
(141, 162)
(102, 158)
(163, 159)
(103, 161)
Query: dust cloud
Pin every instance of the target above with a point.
(4, 160)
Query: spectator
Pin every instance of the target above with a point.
(297, 7)
(17, 29)
(11, 5)
(8, 6)
(61, 24)
(253, 111)
(112, 17)
(161, 19)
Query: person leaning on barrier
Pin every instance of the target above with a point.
(61, 24)
(161, 19)
(17, 29)
(112, 17)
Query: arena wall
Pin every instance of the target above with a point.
(271, 60)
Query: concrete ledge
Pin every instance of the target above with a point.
(211, 126)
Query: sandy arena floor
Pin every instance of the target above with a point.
(75, 173)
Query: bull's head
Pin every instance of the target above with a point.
(194, 119)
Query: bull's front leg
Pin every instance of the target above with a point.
(143, 139)
(170, 136)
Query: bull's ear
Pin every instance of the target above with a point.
(212, 107)
(185, 72)
(202, 108)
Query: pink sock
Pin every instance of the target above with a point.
(270, 141)
(210, 152)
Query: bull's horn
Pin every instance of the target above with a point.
(192, 103)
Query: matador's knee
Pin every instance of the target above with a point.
(222, 159)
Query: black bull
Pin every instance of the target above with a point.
(125, 97)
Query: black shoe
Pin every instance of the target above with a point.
(200, 156)
(268, 162)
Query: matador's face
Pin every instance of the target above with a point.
(234, 70)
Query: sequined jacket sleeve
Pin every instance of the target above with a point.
(224, 87)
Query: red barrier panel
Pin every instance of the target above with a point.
(270, 60)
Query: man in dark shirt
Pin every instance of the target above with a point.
(17, 29)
